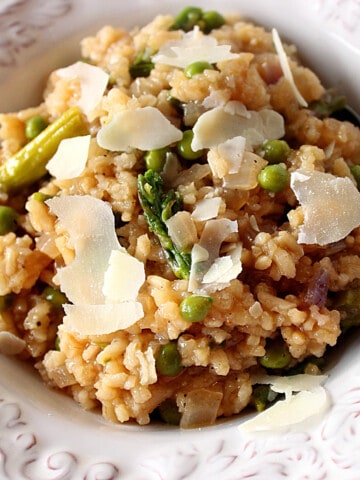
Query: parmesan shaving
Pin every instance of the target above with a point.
(292, 411)
(206, 209)
(182, 230)
(256, 127)
(224, 269)
(101, 319)
(97, 281)
(143, 128)
(310, 400)
(93, 82)
(331, 206)
(285, 66)
(194, 46)
(90, 225)
(119, 285)
(70, 158)
(207, 251)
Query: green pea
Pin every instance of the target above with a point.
(169, 412)
(6, 301)
(41, 197)
(8, 218)
(355, 170)
(155, 159)
(57, 343)
(273, 178)
(184, 147)
(54, 296)
(35, 125)
(212, 20)
(168, 360)
(194, 308)
(276, 151)
(276, 355)
(187, 19)
(196, 68)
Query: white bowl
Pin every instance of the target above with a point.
(44, 435)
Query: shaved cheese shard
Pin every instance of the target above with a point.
(93, 82)
(331, 206)
(207, 251)
(292, 411)
(123, 277)
(90, 225)
(101, 319)
(143, 128)
(285, 66)
(294, 383)
(70, 158)
(11, 344)
(237, 168)
(256, 127)
(225, 268)
(194, 46)
(182, 230)
(311, 400)
(206, 209)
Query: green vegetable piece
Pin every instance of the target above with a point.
(348, 304)
(274, 178)
(54, 296)
(355, 170)
(6, 301)
(8, 218)
(159, 206)
(330, 103)
(169, 412)
(184, 147)
(276, 151)
(142, 65)
(196, 68)
(212, 20)
(28, 164)
(262, 396)
(41, 197)
(195, 308)
(168, 360)
(187, 19)
(155, 159)
(34, 126)
(276, 355)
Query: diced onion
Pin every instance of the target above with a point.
(200, 408)
(10, 344)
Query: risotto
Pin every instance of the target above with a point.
(179, 222)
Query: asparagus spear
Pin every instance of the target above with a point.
(159, 206)
(28, 164)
